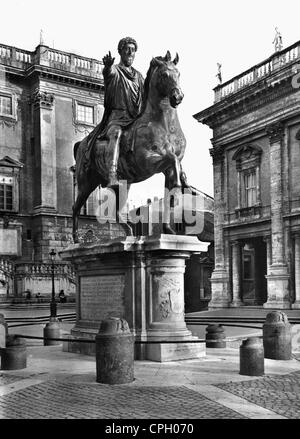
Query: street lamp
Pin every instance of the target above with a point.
(52, 303)
(52, 328)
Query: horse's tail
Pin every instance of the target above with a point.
(75, 149)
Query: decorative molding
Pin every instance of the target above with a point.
(217, 153)
(8, 121)
(275, 132)
(247, 100)
(247, 156)
(91, 83)
(8, 162)
(42, 99)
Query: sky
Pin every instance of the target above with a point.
(237, 34)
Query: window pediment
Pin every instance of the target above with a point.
(247, 156)
(246, 152)
(8, 162)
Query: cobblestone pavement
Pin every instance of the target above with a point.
(62, 385)
(58, 400)
(280, 393)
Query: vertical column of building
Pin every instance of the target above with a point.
(267, 240)
(219, 278)
(45, 152)
(296, 303)
(236, 274)
(44, 183)
(278, 277)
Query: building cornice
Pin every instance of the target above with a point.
(250, 98)
(53, 65)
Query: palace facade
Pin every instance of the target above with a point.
(49, 99)
(255, 120)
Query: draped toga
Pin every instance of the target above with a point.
(123, 98)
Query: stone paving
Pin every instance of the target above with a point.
(61, 385)
(281, 394)
(58, 400)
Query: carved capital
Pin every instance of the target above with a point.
(217, 153)
(42, 99)
(275, 132)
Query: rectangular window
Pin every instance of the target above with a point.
(6, 105)
(250, 186)
(85, 114)
(6, 195)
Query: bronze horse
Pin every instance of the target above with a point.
(153, 143)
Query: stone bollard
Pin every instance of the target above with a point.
(52, 330)
(215, 337)
(14, 355)
(3, 331)
(114, 352)
(252, 357)
(277, 337)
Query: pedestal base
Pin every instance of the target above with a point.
(236, 304)
(174, 351)
(278, 288)
(219, 289)
(140, 280)
(274, 304)
(78, 347)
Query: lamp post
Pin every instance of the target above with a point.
(52, 328)
(52, 302)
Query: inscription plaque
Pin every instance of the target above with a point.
(102, 296)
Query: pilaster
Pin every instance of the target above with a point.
(45, 190)
(278, 277)
(296, 304)
(220, 277)
(236, 274)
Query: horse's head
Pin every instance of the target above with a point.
(165, 78)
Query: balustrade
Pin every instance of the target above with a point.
(257, 72)
(6, 267)
(60, 57)
(56, 58)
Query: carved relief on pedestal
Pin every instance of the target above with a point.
(167, 299)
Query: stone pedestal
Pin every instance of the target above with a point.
(142, 281)
(219, 289)
(278, 287)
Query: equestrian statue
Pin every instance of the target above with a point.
(138, 136)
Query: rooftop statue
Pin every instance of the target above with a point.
(277, 41)
(139, 135)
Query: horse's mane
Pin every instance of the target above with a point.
(152, 66)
